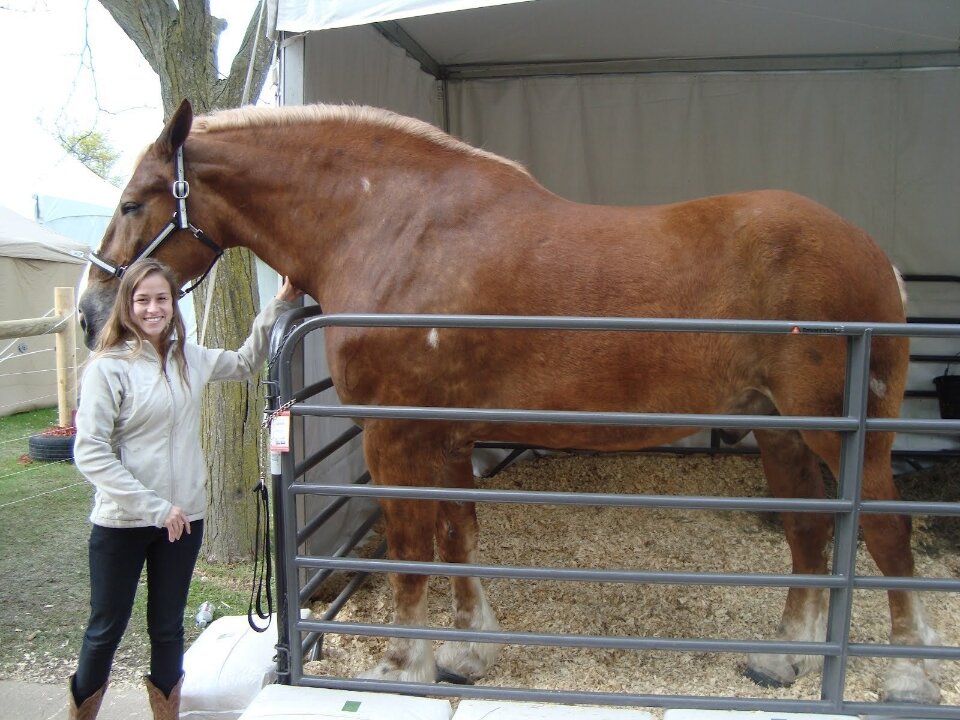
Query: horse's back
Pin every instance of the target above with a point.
(766, 254)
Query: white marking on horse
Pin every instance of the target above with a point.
(915, 678)
(365, 184)
(433, 338)
(878, 387)
(471, 659)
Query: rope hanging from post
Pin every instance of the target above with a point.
(262, 570)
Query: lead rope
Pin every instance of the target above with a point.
(262, 571)
(262, 585)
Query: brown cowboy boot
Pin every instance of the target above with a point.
(88, 708)
(165, 707)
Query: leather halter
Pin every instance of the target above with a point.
(180, 189)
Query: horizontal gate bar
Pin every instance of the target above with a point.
(570, 417)
(691, 702)
(557, 322)
(410, 567)
(911, 507)
(620, 642)
(681, 502)
(659, 577)
(546, 497)
(914, 425)
(607, 642)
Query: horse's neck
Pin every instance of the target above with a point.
(331, 221)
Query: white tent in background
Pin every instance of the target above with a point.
(44, 182)
(33, 261)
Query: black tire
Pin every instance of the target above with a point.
(51, 447)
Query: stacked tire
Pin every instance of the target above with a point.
(52, 445)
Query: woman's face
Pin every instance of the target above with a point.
(152, 307)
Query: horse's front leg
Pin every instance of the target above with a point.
(456, 535)
(409, 529)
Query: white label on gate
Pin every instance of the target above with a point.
(275, 468)
(280, 432)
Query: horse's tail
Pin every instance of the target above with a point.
(903, 287)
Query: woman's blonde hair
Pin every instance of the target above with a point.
(120, 326)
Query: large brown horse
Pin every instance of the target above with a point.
(376, 213)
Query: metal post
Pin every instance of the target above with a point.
(856, 385)
(66, 344)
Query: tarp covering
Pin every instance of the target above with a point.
(300, 15)
(517, 34)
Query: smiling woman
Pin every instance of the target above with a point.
(138, 443)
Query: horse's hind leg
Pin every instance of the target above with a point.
(395, 457)
(456, 535)
(888, 540)
(792, 471)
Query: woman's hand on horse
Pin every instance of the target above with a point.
(176, 523)
(287, 292)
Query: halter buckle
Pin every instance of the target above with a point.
(180, 189)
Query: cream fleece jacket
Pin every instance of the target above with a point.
(138, 429)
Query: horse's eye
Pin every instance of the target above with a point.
(129, 207)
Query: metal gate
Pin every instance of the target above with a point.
(300, 574)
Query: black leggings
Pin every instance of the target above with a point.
(117, 556)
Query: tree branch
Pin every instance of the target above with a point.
(255, 35)
(146, 24)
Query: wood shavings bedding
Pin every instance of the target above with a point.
(651, 539)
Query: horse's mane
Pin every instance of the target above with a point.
(364, 114)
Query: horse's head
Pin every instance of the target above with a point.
(151, 220)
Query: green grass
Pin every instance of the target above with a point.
(44, 526)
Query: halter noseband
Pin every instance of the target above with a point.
(180, 189)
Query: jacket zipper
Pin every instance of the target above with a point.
(170, 426)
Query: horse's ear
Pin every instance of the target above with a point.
(175, 132)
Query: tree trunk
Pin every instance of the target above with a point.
(231, 415)
(179, 41)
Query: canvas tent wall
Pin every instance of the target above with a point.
(852, 102)
(33, 261)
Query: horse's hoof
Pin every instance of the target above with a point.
(765, 671)
(762, 679)
(389, 671)
(467, 660)
(452, 677)
(918, 691)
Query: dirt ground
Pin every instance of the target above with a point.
(657, 539)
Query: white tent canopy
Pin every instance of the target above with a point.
(42, 181)
(511, 38)
(23, 238)
(301, 15)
